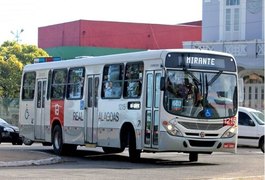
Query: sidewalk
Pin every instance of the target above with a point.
(18, 157)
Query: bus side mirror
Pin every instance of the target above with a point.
(162, 84)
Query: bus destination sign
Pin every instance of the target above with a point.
(198, 61)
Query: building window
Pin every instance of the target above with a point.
(249, 96)
(256, 93)
(232, 15)
(232, 20)
(236, 19)
(232, 2)
(228, 20)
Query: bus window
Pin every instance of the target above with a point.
(28, 86)
(112, 81)
(133, 80)
(58, 83)
(75, 83)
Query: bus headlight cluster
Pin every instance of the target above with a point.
(230, 132)
(171, 128)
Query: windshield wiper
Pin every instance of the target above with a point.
(214, 78)
(194, 78)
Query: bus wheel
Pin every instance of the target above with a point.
(193, 157)
(57, 140)
(134, 154)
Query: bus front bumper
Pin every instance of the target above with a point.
(203, 145)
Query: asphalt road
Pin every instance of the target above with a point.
(248, 163)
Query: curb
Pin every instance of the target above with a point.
(39, 162)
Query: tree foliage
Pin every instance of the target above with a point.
(13, 57)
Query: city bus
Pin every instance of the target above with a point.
(175, 100)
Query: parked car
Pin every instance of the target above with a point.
(9, 133)
(251, 128)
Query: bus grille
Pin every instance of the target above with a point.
(201, 126)
(207, 135)
(201, 143)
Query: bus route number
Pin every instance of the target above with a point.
(229, 121)
(122, 106)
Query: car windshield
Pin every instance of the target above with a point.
(200, 94)
(259, 117)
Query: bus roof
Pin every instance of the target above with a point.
(115, 58)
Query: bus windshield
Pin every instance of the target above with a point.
(205, 95)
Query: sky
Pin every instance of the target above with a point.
(22, 18)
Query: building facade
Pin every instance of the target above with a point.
(237, 27)
(93, 38)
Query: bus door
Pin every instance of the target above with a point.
(152, 108)
(92, 108)
(40, 108)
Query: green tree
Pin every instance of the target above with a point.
(13, 57)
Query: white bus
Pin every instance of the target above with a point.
(152, 101)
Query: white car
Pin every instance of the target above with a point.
(251, 128)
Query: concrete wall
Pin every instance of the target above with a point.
(210, 23)
(117, 35)
(253, 21)
(254, 13)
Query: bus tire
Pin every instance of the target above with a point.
(57, 140)
(134, 154)
(193, 157)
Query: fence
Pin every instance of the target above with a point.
(254, 96)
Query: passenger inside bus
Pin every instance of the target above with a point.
(112, 81)
(133, 89)
(112, 90)
(183, 94)
(133, 83)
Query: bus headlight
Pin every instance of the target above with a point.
(171, 128)
(230, 132)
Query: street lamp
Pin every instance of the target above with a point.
(17, 34)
